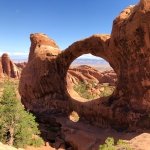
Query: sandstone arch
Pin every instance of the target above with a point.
(127, 50)
(97, 45)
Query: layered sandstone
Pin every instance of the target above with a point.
(43, 84)
(88, 74)
(86, 79)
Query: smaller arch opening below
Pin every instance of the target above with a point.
(89, 78)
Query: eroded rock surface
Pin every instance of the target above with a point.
(43, 84)
(8, 68)
(1, 69)
(86, 83)
(88, 74)
(21, 65)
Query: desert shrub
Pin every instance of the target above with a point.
(83, 90)
(17, 126)
(36, 141)
(110, 145)
(108, 90)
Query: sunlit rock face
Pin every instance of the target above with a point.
(1, 69)
(41, 44)
(8, 68)
(43, 82)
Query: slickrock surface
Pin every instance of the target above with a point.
(8, 68)
(83, 136)
(6, 147)
(43, 84)
(86, 137)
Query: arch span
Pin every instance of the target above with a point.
(97, 45)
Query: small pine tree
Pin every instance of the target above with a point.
(17, 127)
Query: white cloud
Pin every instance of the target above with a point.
(1, 52)
(25, 54)
(89, 56)
(19, 54)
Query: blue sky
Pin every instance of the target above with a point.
(65, 21)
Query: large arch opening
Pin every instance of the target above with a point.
(89, 78)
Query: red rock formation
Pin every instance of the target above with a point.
(42, 45)
(21, 65)
(127, 50)
(93, 80)
(109, 76)
(1, 69)
(88, 74)
(8, 68)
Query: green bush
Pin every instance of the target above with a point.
(110, 145)
(36, 141)
(108, 90)
(82, 89)
(17, 126)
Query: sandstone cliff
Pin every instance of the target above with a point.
(43, 84)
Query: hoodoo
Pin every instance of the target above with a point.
(8, 68)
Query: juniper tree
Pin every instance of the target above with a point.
(17, 126)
